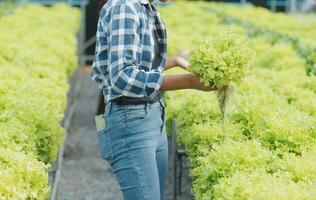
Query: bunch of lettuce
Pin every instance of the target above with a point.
(221, 59)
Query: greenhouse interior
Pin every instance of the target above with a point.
(157, 99)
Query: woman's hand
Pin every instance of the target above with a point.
(182, 62)
(198, 85)
(179, 60)
(183, 81)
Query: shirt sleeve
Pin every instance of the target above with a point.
(100, 57)
(124, 40)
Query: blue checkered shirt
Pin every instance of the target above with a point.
(124, 54)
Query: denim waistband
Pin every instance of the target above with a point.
(110, 106)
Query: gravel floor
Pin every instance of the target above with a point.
(85, 176)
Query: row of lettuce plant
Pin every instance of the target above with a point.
(37, 54)
(269, 152)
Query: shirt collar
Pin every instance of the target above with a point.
(145, 2)
(148, 3)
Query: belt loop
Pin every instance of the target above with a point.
(109, 107)
(163, 114)
(147, 104)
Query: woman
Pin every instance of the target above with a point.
(129, 62)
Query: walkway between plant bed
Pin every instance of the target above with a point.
(85, 176)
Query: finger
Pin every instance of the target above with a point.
(182, 62)
(184, 54)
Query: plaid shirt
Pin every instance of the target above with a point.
(124, 53)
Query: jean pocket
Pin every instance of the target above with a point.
(105, 144)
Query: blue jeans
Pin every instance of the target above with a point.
(134, 142)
